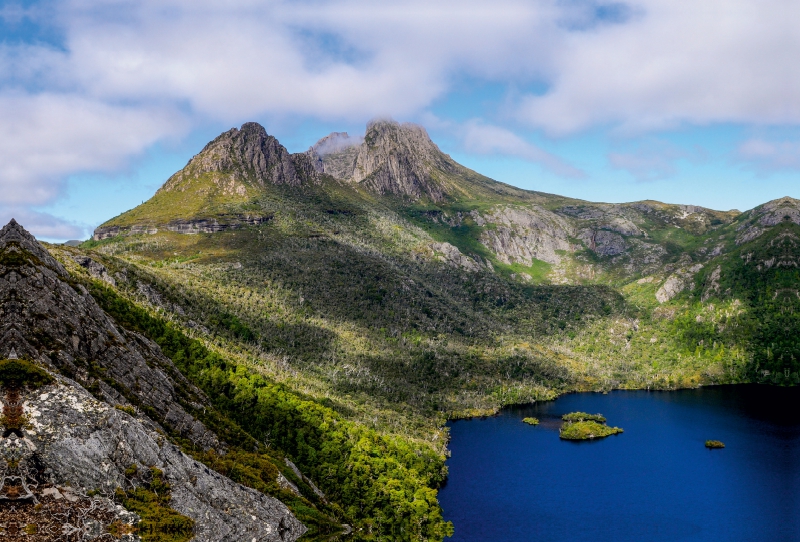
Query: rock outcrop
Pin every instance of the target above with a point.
(677, 282)
(46, 319)
(84, 442)
(88, 445)
(766, 216)
(243, 156)
(393, 158)
(521, 234)
(189, 227)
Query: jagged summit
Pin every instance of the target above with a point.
(239, 159)
(778, 210)
(392, 158)
(755, 222)
(17, 243)
(220, 187)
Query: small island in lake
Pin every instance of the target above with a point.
(583, 426)
(711, 444)
(531, 421)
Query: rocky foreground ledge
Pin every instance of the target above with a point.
(68, 459)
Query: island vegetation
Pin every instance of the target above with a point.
(711, 444)
(531, 421)
(573, 417)
(583, 426)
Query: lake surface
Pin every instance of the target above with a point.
(513, 482)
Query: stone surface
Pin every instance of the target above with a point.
(85, 442)
(522, 234)
(767, 215)
(238, 153)
(61, 326)
(87, 445)
(95, 269)
(335, 154)
(451, 255)
(393, 158)
(190, 227)
(677, 282)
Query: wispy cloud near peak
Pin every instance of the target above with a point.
(482, 138)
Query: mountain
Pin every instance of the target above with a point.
(224, 187)
(378, 278)
(395, 159)
(387, 232)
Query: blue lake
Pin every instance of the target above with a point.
(513, 482)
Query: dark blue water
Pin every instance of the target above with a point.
(512, 482)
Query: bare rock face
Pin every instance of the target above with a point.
(393, 158)
(677, 282)
(712, 284)
(242, 155)
(524, 233)
(83, 442)
(452, 256)
(95, 269)
(46, 319)
(765, 216)
(603, 242)
(87, 445)
(335, 154)
(187, 227)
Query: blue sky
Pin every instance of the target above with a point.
(682, 102)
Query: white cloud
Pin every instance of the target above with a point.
(768, 156)
(486, 139)
(653, 160)
(45, 136)
(42, 225)
(717, 61)
(129, 73)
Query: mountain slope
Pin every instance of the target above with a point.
(58, 439)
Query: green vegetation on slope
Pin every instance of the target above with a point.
(385, 485)
(366, 319)
(150, 499)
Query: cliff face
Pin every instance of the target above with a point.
(60, 441)
(244, 156)
(392, 158)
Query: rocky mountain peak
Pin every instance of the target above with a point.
(760, 219)
(247, 155)
(392, 158)
(335, 142)
(779, 210)
(18, 245)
